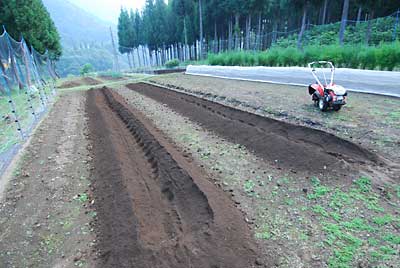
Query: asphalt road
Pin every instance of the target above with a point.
(375, 82)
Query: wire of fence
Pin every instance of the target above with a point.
(26, 89)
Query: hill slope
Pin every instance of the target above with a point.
(75, 25)
(85, 38)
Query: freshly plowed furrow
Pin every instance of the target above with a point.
(151, 211)
(175, 183)
(288, 146)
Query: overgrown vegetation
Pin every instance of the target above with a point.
(86, 69)
(382, 57)
(363, 33)
(172, 63)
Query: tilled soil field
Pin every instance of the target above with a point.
(311, 198)
(368, 120)
(154, 208)
(153, 177)
(291, 147)
(81, 82)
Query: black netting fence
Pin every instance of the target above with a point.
(26, 89)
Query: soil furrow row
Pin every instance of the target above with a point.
(288, 146)
(151, 211)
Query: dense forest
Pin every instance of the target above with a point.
(30, 19)
(184, 21)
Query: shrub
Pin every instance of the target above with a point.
(384, 56)
(86, 69)
(172, 63)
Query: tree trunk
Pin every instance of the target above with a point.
(201, 28)
(215, 45)
(16, 72)
(237, 31)
(230, 26)
(6, 78)
(27, 69)
(345, 14)
(259, 31)
(359, 14)
(185, 30)
(133, 59)
(303, 26)
(274, 31)
(248, 29)
(324, 11)
(368, 33)
(138, 57)
(129, 61)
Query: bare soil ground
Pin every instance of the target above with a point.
(286, 145)
(369, 120)
(45, 216)
(112, 78)
(142, 176)
(169, 71)
(154, 208)
(300, 219)
(80, 82)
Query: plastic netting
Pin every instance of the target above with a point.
(26, 88)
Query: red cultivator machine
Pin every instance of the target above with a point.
(327, 95)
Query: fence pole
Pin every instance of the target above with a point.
(28, 76)
(39, 80)
(395, 25)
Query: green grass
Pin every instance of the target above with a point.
(8, 129)
(319, 191)
(383, 220)
(263, 232)
(385, 56)
(350, 221)
(249, 186)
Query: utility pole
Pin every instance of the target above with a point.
(116, 63)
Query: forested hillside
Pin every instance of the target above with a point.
(84, 37)
(180, 21)
(77, 26)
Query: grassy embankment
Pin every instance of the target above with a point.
(321, 43)
(382, 57)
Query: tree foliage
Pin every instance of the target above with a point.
(30, 19)
(178, 21)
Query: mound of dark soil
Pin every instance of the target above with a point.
(169, 71)
(70, 84)
(90, 81)
(288, 146)
(154, 210)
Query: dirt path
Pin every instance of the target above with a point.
(156, 209)
(44, 218)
